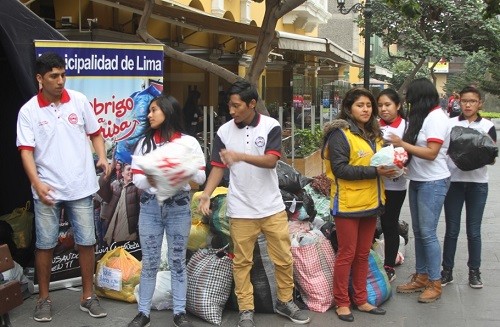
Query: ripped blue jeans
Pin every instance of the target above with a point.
(174, 218)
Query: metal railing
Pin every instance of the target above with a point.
(306, 119)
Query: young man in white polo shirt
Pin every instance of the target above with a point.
(53, 129)
(469, 187)
(250, 146)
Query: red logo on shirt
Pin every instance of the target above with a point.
(73, 118)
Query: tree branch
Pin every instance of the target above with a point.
(177, 55)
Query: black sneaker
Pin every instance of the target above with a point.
(446, 276)
(246, 319)
(141, 320)
(475, 278)
(391, 273)
(291, 311)
(180, 320)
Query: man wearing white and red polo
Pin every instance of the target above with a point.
(53, 131)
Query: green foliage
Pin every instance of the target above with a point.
(492, 8)
(306, 142)
(475, 68)
(481, 69)
(491, 84)
(401, 69)
(434, 28)
(490, 115)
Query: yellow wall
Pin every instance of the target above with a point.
(178, 75)
(440, 82)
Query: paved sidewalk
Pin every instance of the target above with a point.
(459, 306)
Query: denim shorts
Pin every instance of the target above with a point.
(80, 215)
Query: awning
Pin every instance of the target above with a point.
(298, 42)
(198, 20)
(373, 81)
(316, 46)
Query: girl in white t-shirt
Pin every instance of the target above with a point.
(426, 141)
(391, 123)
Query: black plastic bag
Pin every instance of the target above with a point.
(293, 202)
(378, 229)
(289, 178)
(262, 276)
(403, 230)
(328, 229)
(470, 149)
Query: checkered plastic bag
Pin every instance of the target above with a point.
(210, 275)
(313, 266)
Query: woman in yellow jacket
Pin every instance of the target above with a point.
(357, 195)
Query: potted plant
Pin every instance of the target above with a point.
(307, 156)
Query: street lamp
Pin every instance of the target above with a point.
(367, 13)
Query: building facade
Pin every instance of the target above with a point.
(222, 32)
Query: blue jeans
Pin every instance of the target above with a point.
(80, 215)
(426, 202)
(474, 195)
(174, 218)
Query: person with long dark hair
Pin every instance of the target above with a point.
(426, 142)
(391, 122)
(357, 195)
(172, 216)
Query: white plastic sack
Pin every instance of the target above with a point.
(162, 297)
(400, 257)
(390, 156)
(17, 273)
(171, 165)
(164, 254)
(379, 248)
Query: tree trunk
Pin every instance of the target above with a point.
(410, 77)
(180, 56)
(275, 9)
(266, 37)
(433, 75)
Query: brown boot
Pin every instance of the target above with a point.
(417, 283)
(431, 293)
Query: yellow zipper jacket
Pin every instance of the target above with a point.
(357, 190)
